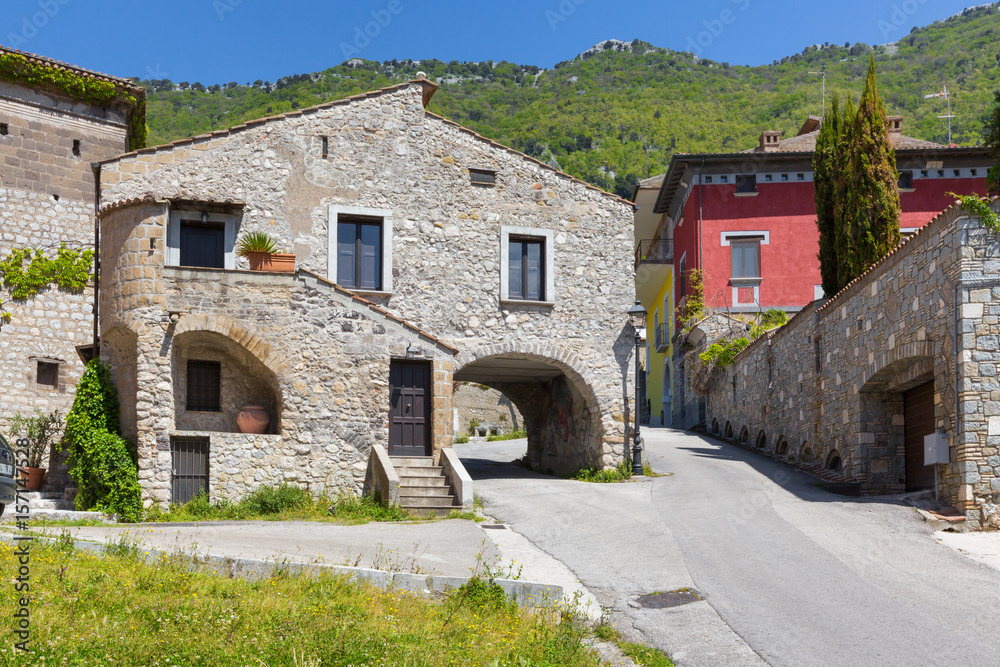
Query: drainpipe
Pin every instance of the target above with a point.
(96, 167)
(701, 185)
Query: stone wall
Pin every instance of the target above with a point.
(830, 382)
(485, 406)
(47, 199)
(386, 153)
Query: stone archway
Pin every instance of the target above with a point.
(564, 420)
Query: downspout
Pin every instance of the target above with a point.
(701, 185)
(96, 167)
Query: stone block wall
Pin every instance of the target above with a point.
(830, 382)
(47, 199)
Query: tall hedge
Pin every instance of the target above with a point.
(102, 464)
(867, 208)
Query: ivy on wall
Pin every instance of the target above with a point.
(979, 206)
(69, 270)
(80, 88)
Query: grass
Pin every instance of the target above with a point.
(281, 503)
(103, 610)
(622, 472)
(513, 435)
(640, 654)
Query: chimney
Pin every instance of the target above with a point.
(770, 140)
(895, 124)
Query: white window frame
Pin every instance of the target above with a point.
(732, 268)
(547, 236)
(173, 255)
(333, 213)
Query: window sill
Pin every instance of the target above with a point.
(907, 189)
(745, 282)
(745, 194)
(376, 293)
(526, 302)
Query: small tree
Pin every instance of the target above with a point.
(41, 431)
(867, 209)
(101, 463)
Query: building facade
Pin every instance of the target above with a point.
(50, 133)
(425, 255)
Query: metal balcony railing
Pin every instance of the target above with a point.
(654, 251)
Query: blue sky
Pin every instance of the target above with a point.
(217, 41)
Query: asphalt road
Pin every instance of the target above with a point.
(790, 574)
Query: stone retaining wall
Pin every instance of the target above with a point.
(828, 385)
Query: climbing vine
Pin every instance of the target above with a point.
(979, 206)
(70, 270)
(18, 69)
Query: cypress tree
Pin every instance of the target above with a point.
(841, 237)
(991, 138)
(825, 181)
(868, 208)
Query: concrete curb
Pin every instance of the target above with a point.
(525, 593)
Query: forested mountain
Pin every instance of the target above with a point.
(616, 113)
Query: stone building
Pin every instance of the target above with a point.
(51, 130)
(425, 255)
(857, 381)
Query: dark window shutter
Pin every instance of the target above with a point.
(204, 384)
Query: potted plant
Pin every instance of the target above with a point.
(39, 431)
(260, 250)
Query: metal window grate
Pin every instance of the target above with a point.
(47, 374)
(189, 463)
(204, 382)
(483, 176)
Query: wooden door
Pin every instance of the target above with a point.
(918, 415)
(190, 468)
(410, 408)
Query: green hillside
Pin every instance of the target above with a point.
(616, 113)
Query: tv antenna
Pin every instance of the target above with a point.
(823, 74)
(947, 96)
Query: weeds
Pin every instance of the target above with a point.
(620, 473)
(513, 435)
(125, 547)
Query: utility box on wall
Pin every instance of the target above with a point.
(936, 448)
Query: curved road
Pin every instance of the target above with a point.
(790, 575)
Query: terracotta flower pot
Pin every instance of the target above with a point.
(253, 419)
(33, 478)
(270, 261)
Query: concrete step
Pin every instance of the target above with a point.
(34, 496)
(57, 515)
(412, 461)
(37, 505)
(406, 492)
(427, 501)
(426, 471)
(414, 480)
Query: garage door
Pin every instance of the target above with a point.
(918, 412)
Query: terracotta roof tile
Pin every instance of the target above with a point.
(55, 64)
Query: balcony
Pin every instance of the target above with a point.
(661, 336)
(654, 251)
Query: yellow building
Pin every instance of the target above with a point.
(654, 284)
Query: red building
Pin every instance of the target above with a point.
(748, 220)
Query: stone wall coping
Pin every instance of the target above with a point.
(424, 83)
(172, 200)
(524, 156)
(174, 433)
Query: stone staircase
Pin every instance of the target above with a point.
(423, 486)
(51, 505)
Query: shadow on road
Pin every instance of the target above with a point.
(480, 468)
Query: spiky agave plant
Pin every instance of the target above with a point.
(254, 242)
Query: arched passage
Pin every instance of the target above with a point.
(561, 413)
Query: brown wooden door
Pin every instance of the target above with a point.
(410, 408)
(918, 414)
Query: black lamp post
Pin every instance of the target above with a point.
(637, 315)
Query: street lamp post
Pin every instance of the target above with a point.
(637, 315)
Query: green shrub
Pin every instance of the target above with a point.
(276, 499)
(461, 439)
(513, 435)
(102, 464)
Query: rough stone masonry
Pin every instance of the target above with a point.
(318, 357)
